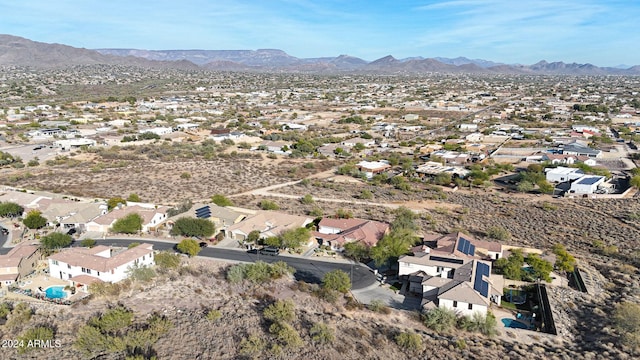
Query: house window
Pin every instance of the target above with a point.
(54, 262)
(87, 271)
(68, 266)
(98, 273)
(455, 304)
(470, 306)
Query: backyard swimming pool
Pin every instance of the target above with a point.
(55, 292)
(514, 324)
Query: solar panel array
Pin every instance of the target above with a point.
(480, 285)
(465, 247)
(447, 260)
(203, 212)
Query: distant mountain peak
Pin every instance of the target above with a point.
(15, 50)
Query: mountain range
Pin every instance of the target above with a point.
(20, 51)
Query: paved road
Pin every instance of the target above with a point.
(308, 270)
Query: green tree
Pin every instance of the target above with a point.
(635, 181)
(221, 200)
(34, 220)
(253, 237)
(564, 261)
(337, 280)
(356, 250)
(56, 240)
(129, 224)
(392, 246)
(189, 247)
(405, 219)
(294, 238)
(113, 202)
(187, 226)
(10, 209)
(540, 268)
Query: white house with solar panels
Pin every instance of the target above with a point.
(587, 184)
(453, 275)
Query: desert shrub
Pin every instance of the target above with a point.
(113, 321)
(141, 273)
(379, 306)
(321, 333)
(252, 346)
(328, 295)
(281, 310)
(286, 334)
(307, 199)
(499, 233)
(409, 340)
(440, 319)
(34, 220)
(20, 316)
(268, 205)
(337, 280)
(626, 319)
(487, 325)
(221, 200)
(258, 272)
(114, 332)
(167, 260)
(5, 310)
(40, 333)
(213, 315)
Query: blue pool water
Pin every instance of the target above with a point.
(55, 292)
(514, 324)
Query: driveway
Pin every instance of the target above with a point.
(390, 297)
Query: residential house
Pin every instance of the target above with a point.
(562, 174)
(71, 144)
(71, 214)
(567, 159)
(267, 223)
(157, 130)
(152, 217)
(411, 117)
(587, 184)
(576, 148)
(468, 127)
(222, 217)
(452, 275)
(20, 261)
(278, 147)
(349, 143)
(337, 232)
(84, 266)
(371, 168)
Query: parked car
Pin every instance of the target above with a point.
(5, 231)
(72, 231)
(269, 250)
(203, 244)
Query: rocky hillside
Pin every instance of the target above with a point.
(194, 312)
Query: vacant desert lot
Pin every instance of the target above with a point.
(157, 181)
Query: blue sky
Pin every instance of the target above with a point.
(600, 32)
